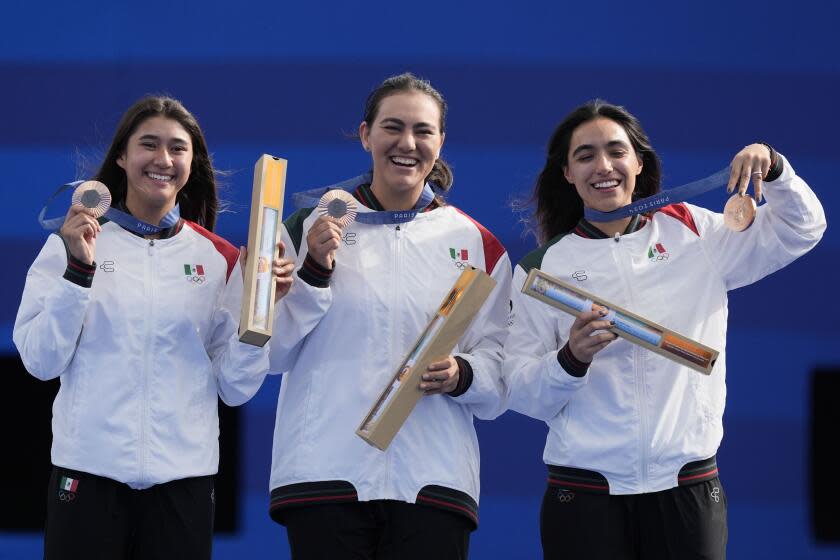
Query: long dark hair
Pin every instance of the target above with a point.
(198, 199)
(441, 174)
(558, 205)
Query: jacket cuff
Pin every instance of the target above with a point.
(777, 165)
(572, 365)
(465, 377)
(314, 274)
(79, 272)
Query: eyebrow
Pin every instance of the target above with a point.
(400, 122)
(610, 144)
(157, 138)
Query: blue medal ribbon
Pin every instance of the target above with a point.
(129, 222)
(660, 199)
(310, 198)
(119, 217)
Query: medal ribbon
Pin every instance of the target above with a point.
(119, 217)
(310, 198)
(660, 199)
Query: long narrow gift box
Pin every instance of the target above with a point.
(266, 211)
(451, 320)
(630, 326)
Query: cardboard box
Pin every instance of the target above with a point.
(451, 320)
(630, 326)
(266, 213)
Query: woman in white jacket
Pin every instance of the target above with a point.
(632, 435)
(364, 294)
(144, 342)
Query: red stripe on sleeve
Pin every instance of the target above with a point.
(228, 251)
(493, 249)
(683, 214)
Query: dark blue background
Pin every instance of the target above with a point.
(290, 80)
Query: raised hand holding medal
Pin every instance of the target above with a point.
(337, 209)
(90, 201)
(751, 163)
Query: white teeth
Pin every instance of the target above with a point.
(157, 177)
(403, 160)
(606, 184)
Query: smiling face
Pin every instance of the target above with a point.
(157, 161)
(603, 165)
(404, 139)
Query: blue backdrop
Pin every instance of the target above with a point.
(290, 80)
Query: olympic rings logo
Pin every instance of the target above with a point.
(565, 496)
(196, 279)
(66, 496)
(660, 257)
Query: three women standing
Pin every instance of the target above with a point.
(143, 352)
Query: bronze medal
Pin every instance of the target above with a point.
(94, 196)
(739, 212)
(340, 205)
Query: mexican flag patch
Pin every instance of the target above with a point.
(68, 484)
(193, 270)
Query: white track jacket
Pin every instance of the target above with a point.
(341, 345)
(142, 355)
(636, 417)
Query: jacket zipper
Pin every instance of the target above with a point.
(150, 299)
(395, 326)
(638, 371)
